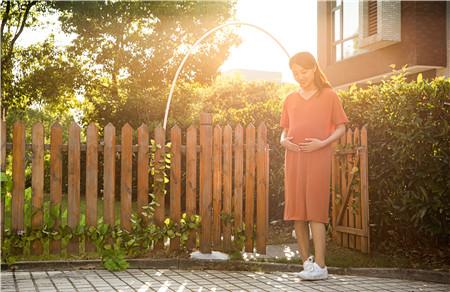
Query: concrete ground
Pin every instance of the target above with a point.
(188, 277)
(196, 280)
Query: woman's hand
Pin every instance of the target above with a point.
(286, 143)
(312, 145)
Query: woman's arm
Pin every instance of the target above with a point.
(340, 130)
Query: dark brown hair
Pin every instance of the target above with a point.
(307, 61)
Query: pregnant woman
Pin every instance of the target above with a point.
(312, 118)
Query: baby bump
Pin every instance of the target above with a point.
(299, 134)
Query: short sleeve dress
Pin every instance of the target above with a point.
(307, 174)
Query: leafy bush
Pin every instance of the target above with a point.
(409, 145)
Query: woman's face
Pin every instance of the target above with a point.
(305, 77)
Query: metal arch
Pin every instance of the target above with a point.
(166, 114)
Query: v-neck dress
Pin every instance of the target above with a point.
(307, 174)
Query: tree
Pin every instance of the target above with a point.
(131, 50)
(15, 16)
(40, 74)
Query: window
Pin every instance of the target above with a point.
(360, 26)
(345, 29)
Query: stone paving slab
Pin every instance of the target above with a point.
(198, 280)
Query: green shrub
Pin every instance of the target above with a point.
(409, 147)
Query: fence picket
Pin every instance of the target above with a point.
(109, 177)
(217, 188)
(91, 181)
(55, 182)
(261, 189)
(175, 181)
(73, 191)
(37, 179)
(205, 181)
(191, 180)
(125, 176)
(227, 184)
(238, 176)
(365, 241)
(160, 139)
(18, 168)
(357, 197)
(249, 186)
(350, 215)
(142, 170)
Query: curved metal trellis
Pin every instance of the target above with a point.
(169, 99)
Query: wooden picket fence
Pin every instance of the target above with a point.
(226, 182)
(350, 194)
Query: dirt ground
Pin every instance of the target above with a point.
(280, 232)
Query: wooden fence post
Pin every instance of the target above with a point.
(191, 180)
(249, 186)
(91, 181)
(262, 199)
(109, 177)
(175, 181)
(217, 188)
(56, 182)
(18, 169)
(37, 167)
(126, 176)
(73, 191)
(142, 170)
(160, 213)
(238, 176)
(350, 215)
(205, 181)
(227, 184)
(365, 241)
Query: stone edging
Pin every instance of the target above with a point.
(184, 263)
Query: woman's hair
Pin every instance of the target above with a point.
(307, 61)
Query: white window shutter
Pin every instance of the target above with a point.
(388, 23)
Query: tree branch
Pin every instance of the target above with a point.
(22, 26)
(5, 18)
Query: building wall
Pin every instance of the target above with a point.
(423, 42)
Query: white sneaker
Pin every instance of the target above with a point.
(308, 264)
(316, 273)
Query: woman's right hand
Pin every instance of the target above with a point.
(286, 143)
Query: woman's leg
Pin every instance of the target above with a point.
(302, 234)
(319, 239)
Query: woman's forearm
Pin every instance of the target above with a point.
(340, 130)
(283, 134)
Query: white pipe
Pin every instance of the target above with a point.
(166, 114)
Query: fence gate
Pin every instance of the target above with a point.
(350, 195)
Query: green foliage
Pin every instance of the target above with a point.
(132, 49)
(409, 145)
(39, 74)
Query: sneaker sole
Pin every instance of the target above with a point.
(314, 279)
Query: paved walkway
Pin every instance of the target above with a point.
(195, 280)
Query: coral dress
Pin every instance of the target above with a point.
(307, 174)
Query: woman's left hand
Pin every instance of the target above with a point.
(312, 145)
